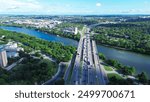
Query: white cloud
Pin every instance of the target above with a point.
(19, 6)
(98, 4)
(135, 11)
(32, 7)
(12, 8)
(35, 7)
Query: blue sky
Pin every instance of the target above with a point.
(61, 7)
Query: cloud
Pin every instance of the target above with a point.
(19, 6)
(38, 7)
(98, 4)
(135, 11)
(12, 8)
(32, 7)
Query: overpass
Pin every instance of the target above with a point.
(87, 69)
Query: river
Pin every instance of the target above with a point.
(42, 35)
(139, 61)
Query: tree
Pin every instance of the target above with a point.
(128, 70)
(143, 78)
(2, 81)
(114, 63)
(37, 54)
(102, 56)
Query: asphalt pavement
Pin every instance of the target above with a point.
(87, 69)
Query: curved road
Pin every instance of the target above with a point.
(57, 75)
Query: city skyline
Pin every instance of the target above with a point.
(64, 7)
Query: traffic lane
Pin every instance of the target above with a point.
(96, 66)
(99, 70)
(77, 61)
(84, 63)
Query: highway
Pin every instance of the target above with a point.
(75, 78)
(100, 72)
(87, 69)
(91, 79)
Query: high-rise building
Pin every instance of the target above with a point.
(76, 31)
(3, 58)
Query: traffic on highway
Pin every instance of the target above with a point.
(87, 69)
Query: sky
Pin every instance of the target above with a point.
(71, 7)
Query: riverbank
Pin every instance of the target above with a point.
(42, 35)
(121, 48)
(44, 30)
(115, 47)
(124, 49)
(119, 74)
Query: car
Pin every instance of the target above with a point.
(90, 67)
(85, 59)
(83, 81)
(88, 62)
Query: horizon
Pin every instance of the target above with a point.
(74, 14)
(78, 7)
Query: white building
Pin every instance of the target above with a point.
(12, 49)
(3, 58)
(39, 23)
(12, 46)
(76, 31)
(12, 54)
(71, 30)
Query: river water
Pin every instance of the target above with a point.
(139, 61)
(42, 35)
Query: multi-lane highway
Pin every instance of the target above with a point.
(101, 76)
(75, 78)
(87, 69)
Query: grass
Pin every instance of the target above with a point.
(2, 42)
(107, 68)
(114, 75)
